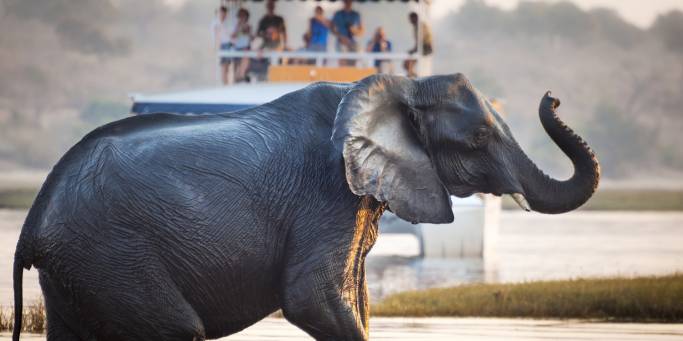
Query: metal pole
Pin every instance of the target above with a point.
(423, 62)
(216, 49)
(420, 18)
(419, 39)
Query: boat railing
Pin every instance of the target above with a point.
(367, 59)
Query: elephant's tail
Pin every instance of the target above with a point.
(18, 300)
(23, 258)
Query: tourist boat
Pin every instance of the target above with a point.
(473, 233)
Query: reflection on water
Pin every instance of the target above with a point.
(391, 274)
(529, 247)
(536, 247)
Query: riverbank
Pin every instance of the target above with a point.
(623, 199)
(617, 199)
(529, 247)
(641, 299)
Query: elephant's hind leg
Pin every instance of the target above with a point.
(62, 322)
(143, 304)
(155, 310)
(57, 329)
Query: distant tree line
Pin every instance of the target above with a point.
(67, 65)
(567, 21)
(621, 84)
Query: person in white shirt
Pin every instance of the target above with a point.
(223, 28)
(241, 41)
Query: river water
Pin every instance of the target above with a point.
(530, 246)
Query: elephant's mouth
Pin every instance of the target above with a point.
(465, 191)
(462, 192)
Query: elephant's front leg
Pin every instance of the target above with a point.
(324, 291)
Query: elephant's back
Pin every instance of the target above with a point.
(185, 159)
(146, 178)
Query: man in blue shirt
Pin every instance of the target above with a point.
(317, 31)
(380, 43)
(346, 25)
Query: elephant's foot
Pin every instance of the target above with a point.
(329, 318)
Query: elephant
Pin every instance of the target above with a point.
(177, 227)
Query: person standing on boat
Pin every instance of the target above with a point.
(272, 26)
(347, 25)
(318, 29)
(273, 33)
(379, 43)
(223, 27)
(241, 41)
(427, 50)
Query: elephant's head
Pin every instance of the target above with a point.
(412, 143)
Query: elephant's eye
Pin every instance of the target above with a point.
(481, 136)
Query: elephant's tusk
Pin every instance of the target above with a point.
(521, 201)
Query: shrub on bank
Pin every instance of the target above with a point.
(657, 299)
(33, 319)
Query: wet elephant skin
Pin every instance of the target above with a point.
(170, 227)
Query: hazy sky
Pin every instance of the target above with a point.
(640, 12)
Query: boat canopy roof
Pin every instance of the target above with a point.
(389, 1)
(212, 100)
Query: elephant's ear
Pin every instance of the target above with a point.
(382, 153)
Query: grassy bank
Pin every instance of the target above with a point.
(17, 198)
(644, 299)
(626, 200)
(603, 200)
(33, 319)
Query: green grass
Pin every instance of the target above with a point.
(626, 200)
(643, 299)
(17, 198)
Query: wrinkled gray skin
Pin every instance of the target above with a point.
(169, 227)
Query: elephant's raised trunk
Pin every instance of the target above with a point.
(547, 195)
